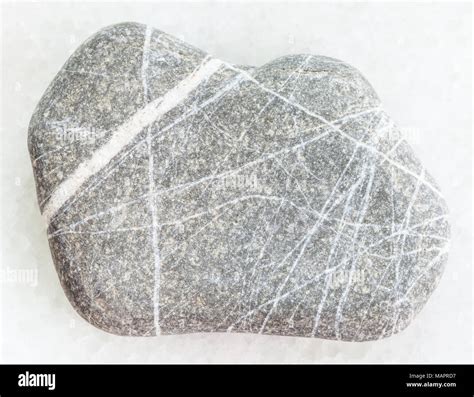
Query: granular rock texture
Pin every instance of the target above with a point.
(186, 194)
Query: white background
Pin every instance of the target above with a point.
(417, 57)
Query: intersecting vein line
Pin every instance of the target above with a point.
(406, 230)
(362, 214)
(443, 251)
(295, 179)
(189, 184)
(190, 217)
(334, 247)
(368, 147)
(283, 296)
(342, 224)
(404, 226)
(298, 70)
(134, 201)
(193, 183)
(308, 237)
(392, 149)
(271, 228)
(282, 286)
(125, 133)
(223, 91)
(412, 302)
(197, 233)
(351, 116)
(263, 158)
(405, 253)
(44, 154)
(242, 74)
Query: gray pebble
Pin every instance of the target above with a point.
(185, 194)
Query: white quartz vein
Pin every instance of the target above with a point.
(234, 82)
(125, 133)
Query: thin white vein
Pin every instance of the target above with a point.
(356, 115)
(145, 61)
(270, 234)
(230, 203)
(110, 231)
(44, 154)
(103, 75)
(151, 188)
(125, 133)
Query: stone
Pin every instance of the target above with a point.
(185, 194)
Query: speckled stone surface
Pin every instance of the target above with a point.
(185, 194)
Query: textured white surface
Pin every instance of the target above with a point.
(417, 57)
